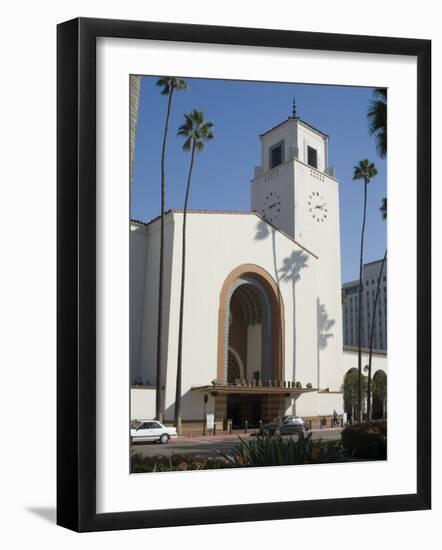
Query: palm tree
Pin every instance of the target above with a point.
(383, 210)
(169, 85)
(377, 116)
(195, 130)
(365, 171)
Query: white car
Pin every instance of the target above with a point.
(150, 430)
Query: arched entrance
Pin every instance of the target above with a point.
(251, 334)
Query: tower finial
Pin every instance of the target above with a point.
(294, 108)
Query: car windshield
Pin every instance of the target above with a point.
(134, 424)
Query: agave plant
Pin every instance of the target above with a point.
(268, 450)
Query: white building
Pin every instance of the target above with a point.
(262, 315)
(350, 308)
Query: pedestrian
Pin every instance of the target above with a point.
(335, 418)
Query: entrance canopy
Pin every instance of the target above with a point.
(251, 390)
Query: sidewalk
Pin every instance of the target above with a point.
(240, 433)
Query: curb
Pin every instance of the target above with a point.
(228, 437)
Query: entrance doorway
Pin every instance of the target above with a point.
(244, 407)
(251, 323)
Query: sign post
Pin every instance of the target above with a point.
(210, 421)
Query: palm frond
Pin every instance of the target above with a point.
(364, 170)
(196, 130)
(168, 83)
(377, 116)
(383, 208)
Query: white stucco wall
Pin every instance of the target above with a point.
(297, 136)
(277, 180)
(324, 238)
(137, 274)
(293, 184)
(145, 362)
(319, 404)
(286, 132)
(309, 138)
(142, 403)
(217, 244)
(350, 360)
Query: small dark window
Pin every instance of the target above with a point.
(312, 157)
(276, 155)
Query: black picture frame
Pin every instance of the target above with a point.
(76, 274)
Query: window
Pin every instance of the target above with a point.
(276, 154)
(312, 157)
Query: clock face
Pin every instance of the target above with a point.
(271, 208)
(317, 206)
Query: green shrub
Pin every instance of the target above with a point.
(176, 462)
(264, 450)
(274, 450)
(367, 440)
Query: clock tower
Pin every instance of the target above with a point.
(296, 191)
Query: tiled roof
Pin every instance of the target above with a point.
(300, 120)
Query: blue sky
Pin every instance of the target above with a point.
(241, 111)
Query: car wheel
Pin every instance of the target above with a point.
(164, 439)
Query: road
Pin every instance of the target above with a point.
(208, 447)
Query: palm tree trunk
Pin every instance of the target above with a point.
(159, 400)
(361, 262)
(179, 370)
(378, 287)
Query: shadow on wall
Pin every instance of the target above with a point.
(292, 266)
(324, 325)
(291, 272)
(263, 231)
(190, 401)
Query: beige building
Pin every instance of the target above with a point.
(350, 308)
